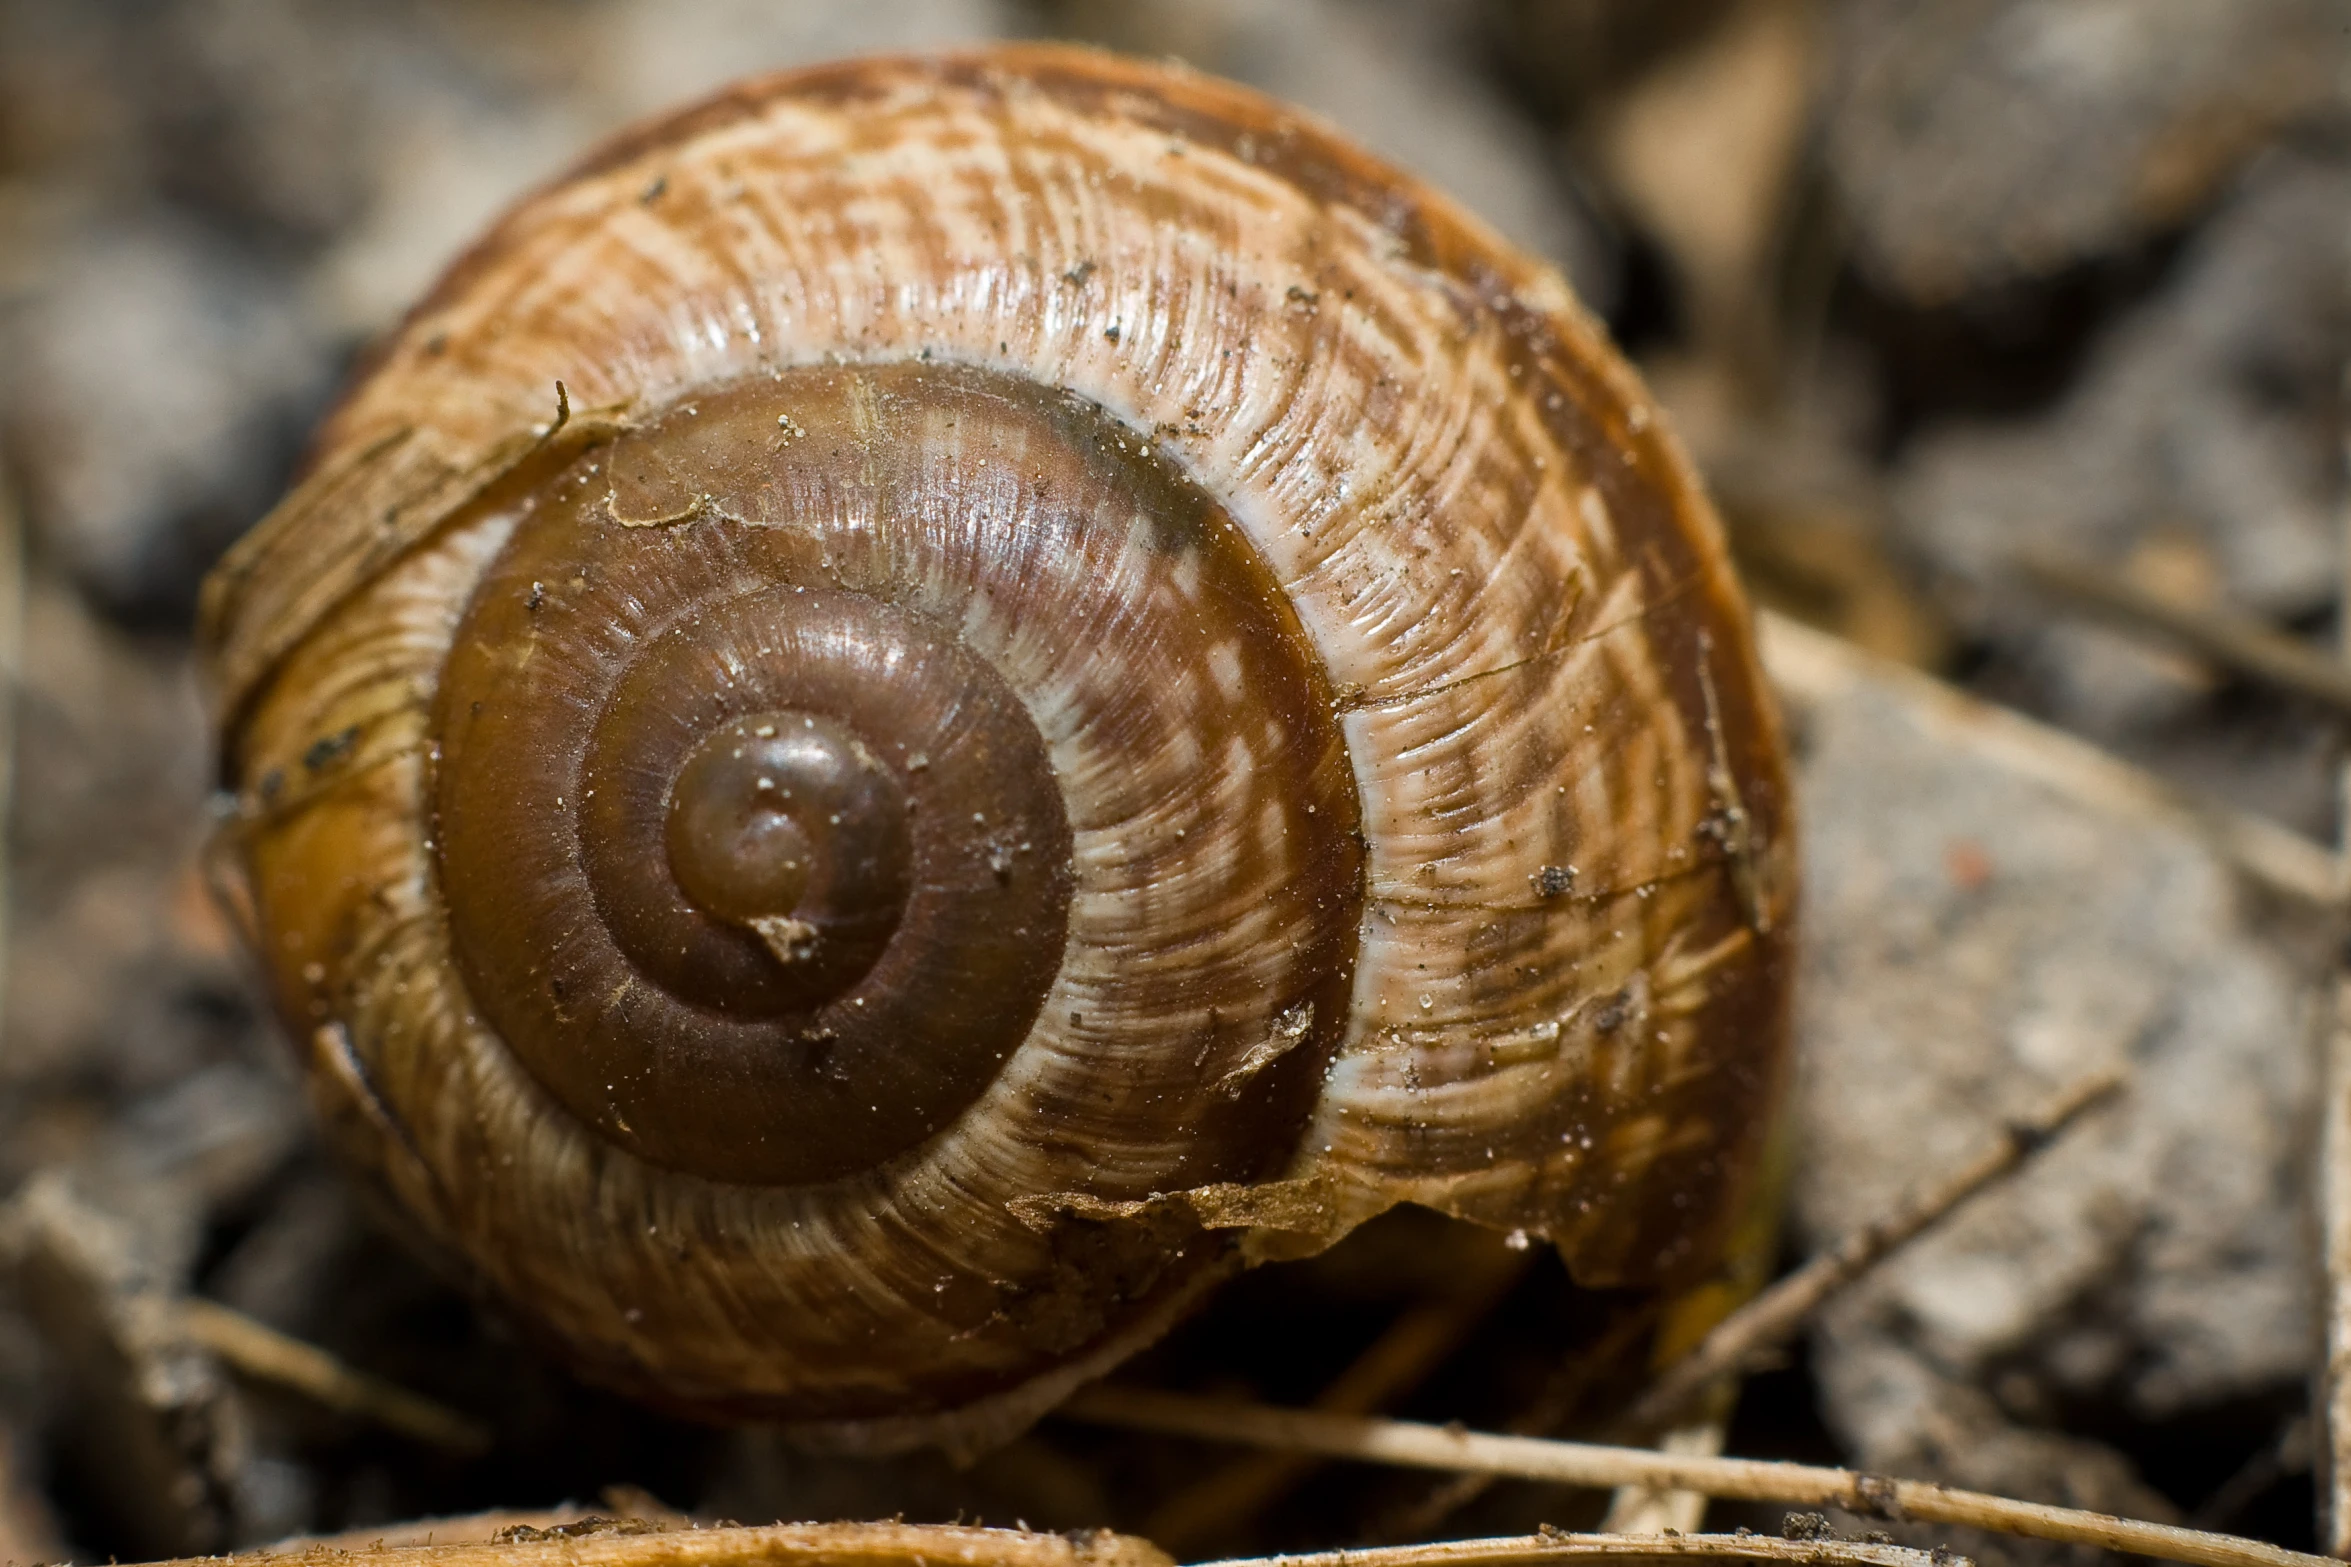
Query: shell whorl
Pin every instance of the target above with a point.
(1292, 726)
(933, 563)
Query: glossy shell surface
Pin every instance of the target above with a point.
(1405, 816)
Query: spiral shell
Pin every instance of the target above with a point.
(939, 699)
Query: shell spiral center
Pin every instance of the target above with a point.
(807, 740)
(789, 826)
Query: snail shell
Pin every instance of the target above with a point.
(939, 699)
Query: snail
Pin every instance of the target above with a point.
(938, 701)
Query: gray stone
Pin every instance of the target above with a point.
(1989, 918)
(2199, 443)
(155, 381)
(1973, 143)
(2210, 413)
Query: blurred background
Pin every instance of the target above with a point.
(2012, 336)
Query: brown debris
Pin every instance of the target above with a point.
(151, 1424)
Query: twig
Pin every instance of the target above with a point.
(626, 1509)
(2288, 1453)
(608, 1543)
(1750, 1333)
(2333, 1477)
(2238, 643)
(1562, 1391)
(1641, 1509)
(447, 1529)
(27, 1531)
(12, 589)
(2334, 1474)
(1414, 1345)
(1368, 1439)
(631, 1544)
(1556, 1546)
(1811, 666)
(266, 1355)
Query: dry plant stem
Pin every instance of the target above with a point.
(1808, 665)
(447, 1530)
(266, 1355)
(1752, 1332)
(619, 1506)
(11, 670)
(1414, 1345)
(917, 1545)
(2334, 1475)
(2237, 643)
(776, 1545)
(1553, 1546)
(2334, 1153)
(2288, 1454)
(1562, 1393)
(27, 1530)
(1640, 1509)
(1371, 1440)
